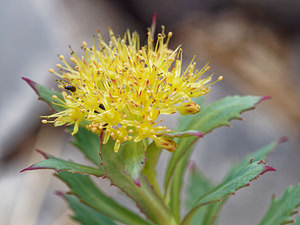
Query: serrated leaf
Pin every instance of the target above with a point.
(259, 154)
(281, 210)
(143, 194)
(153, 152)
(85, 214)
(134, 159)
(82, 187)
(210, 117)
(88, 143)
(214, 208)
(46, 94)
(59, 165)
(239, 180)
(214, 115)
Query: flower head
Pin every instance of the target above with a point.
(121, 88)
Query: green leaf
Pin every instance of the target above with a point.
(259, 154)
(198, 185)
(59, 165)
(46, 94)
(143, 194)
(153, 152)
(281, 210)
(208, 214)
(239, 180)
(82, 187)
(213, 209)
(210, 117)
(134, 159)
(88, 143)
(85, 214)
(214, 115)
(184, 134)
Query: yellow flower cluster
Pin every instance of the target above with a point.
(120, 88)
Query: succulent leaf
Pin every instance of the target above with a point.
(59, 165)
(281, 210)
(230, 186)
(210, 117)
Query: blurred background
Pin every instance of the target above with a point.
(254, 45)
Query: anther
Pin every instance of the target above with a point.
(61, 57)
(54, 96)
(84, 44)
(51, 70)
(73, 59)
(44, 121)
(58, 65)
(220, 78)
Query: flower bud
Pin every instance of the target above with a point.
(188, 108)
(166, 143)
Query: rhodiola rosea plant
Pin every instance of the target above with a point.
(111, 99)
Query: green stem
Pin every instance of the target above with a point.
(153, 153)
(146, 198)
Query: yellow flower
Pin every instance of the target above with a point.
(121, 88)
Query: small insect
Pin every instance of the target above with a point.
(70, 88)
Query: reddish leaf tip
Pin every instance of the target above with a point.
(31, 83)
(138, 182)
(154, 18)
(267, 169)
(261, 162)
(46, 156)
(60, 193)
(193, 166)
(295, 212)
(264, 98)
(28, 168)
(283, 139)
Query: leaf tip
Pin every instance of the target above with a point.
(267, 169)
(32, 167)
(263, 98)
(192, 166)
(45, 155)
(137, 182)
(31, 83)
(59, 193)
(283, 139)
(154, 20)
